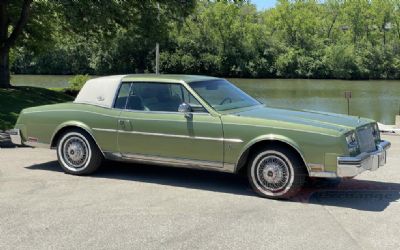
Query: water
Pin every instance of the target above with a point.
(44, 81)
(379, 100)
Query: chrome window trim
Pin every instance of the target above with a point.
(117, 93)
(180, 83)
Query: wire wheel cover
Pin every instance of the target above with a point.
(272, 173)
(75, 152)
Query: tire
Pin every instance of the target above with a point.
(77, 153)
(276, 172)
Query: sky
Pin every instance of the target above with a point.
(264, 4)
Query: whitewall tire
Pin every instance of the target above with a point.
(77, 153)
(276, 172)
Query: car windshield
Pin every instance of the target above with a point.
(223, 95)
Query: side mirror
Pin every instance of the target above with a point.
(185, 109)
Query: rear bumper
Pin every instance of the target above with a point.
(352, 166)
(15, 136)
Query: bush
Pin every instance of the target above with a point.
(76, 83)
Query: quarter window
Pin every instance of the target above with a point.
(120, 102)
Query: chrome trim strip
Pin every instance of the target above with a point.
(323, 174)
(167, 120)
(166, 161)
(271, 127)
(105, 130)
(73, 110)
(170, 135)
(124, 117)
(172, 161)
(182, 136)
(162, 112)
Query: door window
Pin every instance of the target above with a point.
(156, 97)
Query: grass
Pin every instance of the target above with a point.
(12, 101)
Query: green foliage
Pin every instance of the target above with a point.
(13, 100)
(77, 82)
(358, 39)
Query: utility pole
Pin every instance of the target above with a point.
(157, 58)
(348, 95)
(158, 45)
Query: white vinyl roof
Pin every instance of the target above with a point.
(100, 91)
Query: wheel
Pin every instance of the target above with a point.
(276, 172)
(77, 153)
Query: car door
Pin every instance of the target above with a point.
(152, 129)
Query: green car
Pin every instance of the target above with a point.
(201, 122)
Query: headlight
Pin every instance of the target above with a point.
(352, 142)
(375, 132)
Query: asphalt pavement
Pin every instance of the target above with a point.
(148, 207)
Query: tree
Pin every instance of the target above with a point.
(7, 39)
(30, 21)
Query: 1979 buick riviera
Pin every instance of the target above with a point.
(201, 122)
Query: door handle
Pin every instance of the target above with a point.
(125, 124)
(122, 124)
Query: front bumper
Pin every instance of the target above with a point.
(352, 166)
(15, 135)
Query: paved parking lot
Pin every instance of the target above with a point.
(138, 207)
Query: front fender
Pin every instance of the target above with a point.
(272, 137)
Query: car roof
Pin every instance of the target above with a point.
(167, 78)
(101, 91)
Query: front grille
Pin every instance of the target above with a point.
(366, 139)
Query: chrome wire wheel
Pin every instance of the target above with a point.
(75, 152)
(272, 174)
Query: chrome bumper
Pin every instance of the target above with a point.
(352, 166)
(15, 135)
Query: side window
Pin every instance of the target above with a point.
(122, 97)
(188, 98)
(159, 97)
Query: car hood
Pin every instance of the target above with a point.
(337, 122)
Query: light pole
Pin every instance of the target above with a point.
(157, 58)
(158, 46)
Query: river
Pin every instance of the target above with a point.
(379, 100)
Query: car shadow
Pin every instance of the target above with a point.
(362, 195)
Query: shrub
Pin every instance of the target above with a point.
(76, 83)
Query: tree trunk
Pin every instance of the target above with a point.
(4, 68)
(4, 50)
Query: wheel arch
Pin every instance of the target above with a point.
(267, 140)
(71, 125)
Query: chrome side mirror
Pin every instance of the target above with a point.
(185, 109)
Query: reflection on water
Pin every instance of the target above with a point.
(379, 100)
